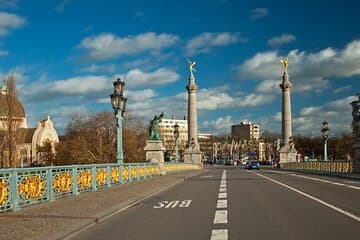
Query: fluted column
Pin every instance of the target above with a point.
(192, 111)
(286, 110)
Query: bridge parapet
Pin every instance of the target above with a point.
(21, 187)
(330, 167)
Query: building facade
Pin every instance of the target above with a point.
(166, 132)
(245, 131)
(15, 132)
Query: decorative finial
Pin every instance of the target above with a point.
(191, 65)
(285, 63)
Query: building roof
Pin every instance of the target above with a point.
(18, 109)
(24, 135)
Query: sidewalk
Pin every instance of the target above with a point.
(64, 217)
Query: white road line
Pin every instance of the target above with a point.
(219, 234)
(222, 195)
(221, 203)
(222, 189)
(222, 185)
(353, 216)
(326, 181)
(220, 216)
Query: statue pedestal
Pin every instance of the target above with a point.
(356, 162)
(287, 154)
(154, 151)
(192, 155)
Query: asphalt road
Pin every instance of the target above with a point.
(233, 203)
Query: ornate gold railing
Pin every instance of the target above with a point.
(331, 167)
(21, 187)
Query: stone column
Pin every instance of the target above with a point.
(192, 153)
(356, 131)
(287, 150)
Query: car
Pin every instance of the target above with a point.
(253, 165)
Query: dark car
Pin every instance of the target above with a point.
(253, 165)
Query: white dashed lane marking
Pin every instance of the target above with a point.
(219, 234)
(221, 203)
(220, 216)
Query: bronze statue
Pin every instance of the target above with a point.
(154, 127)
(285, 63)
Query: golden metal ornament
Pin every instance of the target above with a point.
(62, 182)
(101, 176)
(126, 173)
(133, 172)
(115, 174)
(141, 172)
(84, 179)
(31, 187)
(3, 191)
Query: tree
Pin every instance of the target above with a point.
(92, 139)
(45, 153)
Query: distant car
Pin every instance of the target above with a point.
(253, 165)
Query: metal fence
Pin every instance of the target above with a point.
(20, 187)
(330, 167)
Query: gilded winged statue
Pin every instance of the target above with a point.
(191, 65)
(285, 63)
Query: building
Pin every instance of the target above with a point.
(166, 132)
(15, 132)
(206, 144)
(245, 131)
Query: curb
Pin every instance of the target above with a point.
(86, 224)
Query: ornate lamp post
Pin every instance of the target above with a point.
(325, 131)
(118, 102)
(176, 135)
(356, 131)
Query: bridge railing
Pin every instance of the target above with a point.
(329, 167)
(20, 187)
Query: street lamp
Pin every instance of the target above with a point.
(325, 131)
(118, 103)
(176, 135)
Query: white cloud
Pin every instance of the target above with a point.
(337, 113)
(108, 46)
(342, 89)
(205, 41)
(268, 86)
(258, 13)
(136, 78)
(3, 53)
(222, 124)
(61, 6)
(94, 68)
(281, 40)
(308, 71)
(10, 21)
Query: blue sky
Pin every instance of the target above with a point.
(66, 53)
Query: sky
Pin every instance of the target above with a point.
(65, 54)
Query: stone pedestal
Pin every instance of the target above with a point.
(287, 154)
(192, 155)
(154, 151)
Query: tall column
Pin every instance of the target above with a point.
(356, 131)
(286, 109)
(287, 150)
(192, 110)
(192, 153)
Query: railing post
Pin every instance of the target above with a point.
(14, 190)
(121, 169)
(50, 191)
(145, 168)
(130, 173)
(93, 182)
(138, 171)
(108, 175)
(75, 182)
